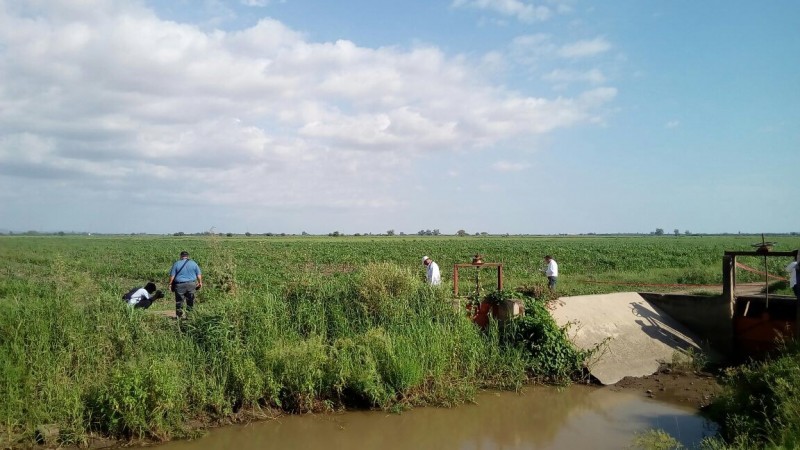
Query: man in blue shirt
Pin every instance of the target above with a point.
(184, 279)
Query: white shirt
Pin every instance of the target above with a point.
(792, 269)
(138, 296)
(433, 275)
(552, 268)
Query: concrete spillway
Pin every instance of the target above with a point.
(638, 336)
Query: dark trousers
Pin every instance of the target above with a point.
(144, 303)
(184, 292)
(796, 289)
(551, 283)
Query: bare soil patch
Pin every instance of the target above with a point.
(694, 389)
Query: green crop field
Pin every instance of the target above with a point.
(296, 324)
(110, 265)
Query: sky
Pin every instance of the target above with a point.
(499, 116)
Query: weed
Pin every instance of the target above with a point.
(656, 440)
(363, 331)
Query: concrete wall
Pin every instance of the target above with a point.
(708, 317)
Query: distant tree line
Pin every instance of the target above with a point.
(391, 232)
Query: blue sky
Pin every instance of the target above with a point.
(505, 116)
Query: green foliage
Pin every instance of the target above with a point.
(321, 341)
(760, 406)
(300, 324)
(689, 360)
(549, 353)
(656, 440)
(498, 297)
(538, 291)
(380, 286)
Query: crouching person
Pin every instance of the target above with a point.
(143, 297)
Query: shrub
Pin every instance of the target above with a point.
(382, 289)
(761, 402)
(549, 353)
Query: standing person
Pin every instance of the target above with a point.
(432, 275)
(793, 269)
(143, 297)
(551, 272)
(184, 278)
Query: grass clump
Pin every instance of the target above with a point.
(372, 338)
(760, 405)
(382, 288)
(656, 440)
(545, 346)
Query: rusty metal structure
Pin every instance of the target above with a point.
(757, 327)
(729, 266)
(478, 264)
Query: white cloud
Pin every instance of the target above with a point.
(530, 47)
(565, 76)
(506, 166)
(523, 11)
(534, 49)
(584, 48)
(98, 95)
(672, 124)
(596, 97)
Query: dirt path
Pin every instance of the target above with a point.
(740, 289)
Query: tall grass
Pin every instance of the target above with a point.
(377, 337)
(760, 406)
(293, 324)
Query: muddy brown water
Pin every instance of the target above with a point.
(577, 417)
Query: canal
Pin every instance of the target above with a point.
(574, 417)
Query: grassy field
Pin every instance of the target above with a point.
(297, 324)
(105, 265)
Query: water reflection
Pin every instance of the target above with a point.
(540, 418)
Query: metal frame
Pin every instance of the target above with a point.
(478, 266)
(729, 277)
(729, 264)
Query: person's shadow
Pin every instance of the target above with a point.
(656, 328)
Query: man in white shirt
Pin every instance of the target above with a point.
(551, 272)
(792, 270)
(433, 276)
(144, 296)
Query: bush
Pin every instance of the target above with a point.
(761, 402)
(548, 351)
(378, 337)
(382, 288)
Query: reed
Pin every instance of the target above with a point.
(377, 337)
(760, 405)
(301, 325)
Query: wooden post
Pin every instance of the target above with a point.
(728, 280)
(727, 275)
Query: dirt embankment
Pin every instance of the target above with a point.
(694, 389)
